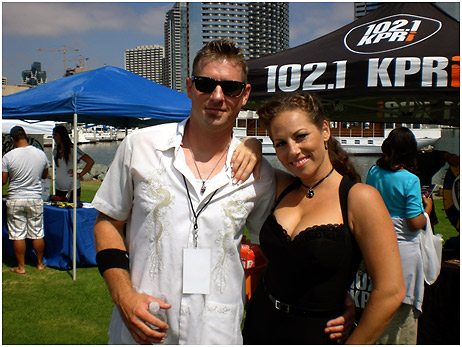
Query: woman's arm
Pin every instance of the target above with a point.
(246, 159)
(89, 163)
(374, 232)
(420, 221)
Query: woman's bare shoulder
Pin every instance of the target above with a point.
(283, 180)
(364, 196)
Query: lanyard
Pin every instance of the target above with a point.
(196, 215)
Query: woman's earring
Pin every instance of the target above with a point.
(325, 145)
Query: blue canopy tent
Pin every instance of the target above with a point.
(108, 95)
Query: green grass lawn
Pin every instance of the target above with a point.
(48, 307)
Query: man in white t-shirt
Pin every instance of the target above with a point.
(23, 167)
(171, 185)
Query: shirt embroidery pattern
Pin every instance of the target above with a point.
(235, 213)
(221, 309)
(158, 191)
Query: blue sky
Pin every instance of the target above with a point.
(102, 31)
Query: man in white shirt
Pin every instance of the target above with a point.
(24, 166)
(172, 184)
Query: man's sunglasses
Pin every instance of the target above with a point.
(208, 85)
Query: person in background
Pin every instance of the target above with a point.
(394, 177)
(172, 185)
(63, 156)
(24, 167)
(321, 224)
(429, 162)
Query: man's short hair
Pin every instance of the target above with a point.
(219, 50)
(17, 132)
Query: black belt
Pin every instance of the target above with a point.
(281, 306)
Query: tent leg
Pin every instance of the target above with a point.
(74, 257)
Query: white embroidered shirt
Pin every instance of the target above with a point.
(145, 186)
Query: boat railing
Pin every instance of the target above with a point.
(356, 132)
(256, 132)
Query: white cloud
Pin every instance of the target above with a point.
(309, 21)
(56, 18)
(153, 20)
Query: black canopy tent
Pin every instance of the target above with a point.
(400, 63)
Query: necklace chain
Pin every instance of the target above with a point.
(210, 174)
(310, 192)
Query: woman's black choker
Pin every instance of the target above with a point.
(310, 192)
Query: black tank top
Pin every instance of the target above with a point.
(315, 269)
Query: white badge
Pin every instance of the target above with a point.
(196, 271)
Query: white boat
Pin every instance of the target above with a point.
(88, 135)
(357, 138)
(48, 139)
(122, 132)
(97, 133)
(365, 138)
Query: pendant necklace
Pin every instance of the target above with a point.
(210, 174)
(310, 192)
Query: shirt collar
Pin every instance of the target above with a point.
(173, 140)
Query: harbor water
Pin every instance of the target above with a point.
(103, 153)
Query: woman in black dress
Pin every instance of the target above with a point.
(323, 223)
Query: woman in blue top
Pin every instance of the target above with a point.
(394, 178)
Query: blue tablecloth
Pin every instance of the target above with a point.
(58, 224)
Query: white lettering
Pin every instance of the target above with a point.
(375, 72)
(381, 37)
(364, 297)
(401, 71)
(340, 78)
(271, 80)
(434, 66)
(366, 39)
(382, 27)
(318, 69)
(355, 296)
(398, 36)
(290, 83)
(360, 298)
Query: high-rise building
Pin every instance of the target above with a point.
(268, 28)
(450, 8)
(146, 61)
(210, 21)
(176, 47)
(363, 8)
(35, 76)
(259, 28)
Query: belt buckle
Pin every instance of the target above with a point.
(281, 306)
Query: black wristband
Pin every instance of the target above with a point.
(112, 258)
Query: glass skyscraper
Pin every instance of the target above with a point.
(450, 8)
(175, 67)
(259, 28)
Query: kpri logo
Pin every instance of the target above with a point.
(390, 33)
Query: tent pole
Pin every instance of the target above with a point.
(74, 248)
(53, 178)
